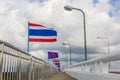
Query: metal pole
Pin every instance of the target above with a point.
(70, 55)
(69, 8)
(66, 54)
(28, 40)
(108, 51)
(107, 44)
(66, 60)
(85, 42)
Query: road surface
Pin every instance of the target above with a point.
(62, 76)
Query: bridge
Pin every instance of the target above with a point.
(16, 64)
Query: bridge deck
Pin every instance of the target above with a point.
(62, 76)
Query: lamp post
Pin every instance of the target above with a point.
(69, 8)
(70, 50)
(107, 45)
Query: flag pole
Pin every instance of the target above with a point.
(48, 60)
(28, 39)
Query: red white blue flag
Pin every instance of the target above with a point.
(55, 60)
(40, 33)
(56, 63)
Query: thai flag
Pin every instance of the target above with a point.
(55, 60)
(56, 63)
(40, 33)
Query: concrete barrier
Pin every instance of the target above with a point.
(93, 76)
(95, 69)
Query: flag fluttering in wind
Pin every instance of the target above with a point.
(40, 33)
(52, 55)
(57, 64)
(55, 60)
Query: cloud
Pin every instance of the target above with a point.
(15, 14)
(40, 54)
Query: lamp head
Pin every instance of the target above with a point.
(98, 37)
(68, 8)
(63, 43)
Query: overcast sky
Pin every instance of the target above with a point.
(102, 20)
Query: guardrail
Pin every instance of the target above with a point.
(97, 68)
(16, 64)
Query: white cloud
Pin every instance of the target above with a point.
(40, 54)
(15, 14)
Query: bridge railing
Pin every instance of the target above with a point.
(16, 64)
(96, 65)
(95, 69)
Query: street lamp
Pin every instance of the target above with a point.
(107, 44)
(69, 8)
(70, 50)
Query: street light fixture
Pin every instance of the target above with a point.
(69, 8)
(70, 50)
(107, 44)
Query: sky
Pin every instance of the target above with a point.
(102, 20)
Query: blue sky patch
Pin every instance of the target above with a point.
(112, 2)
(95, 2)
(41, 0)
(115, 9)
(111, 14)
